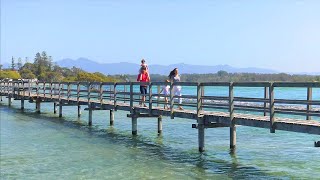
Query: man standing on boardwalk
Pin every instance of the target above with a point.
(143, 77)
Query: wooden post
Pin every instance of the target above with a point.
(44, 89)
(60, 109)
(51, 90)
(89, 92)
(38, 103)
(78, 92)
(134, 123)
(201, 133)
(171, 100)
(90, 114)
(159, 124)
(111, 117)
(131, 98)
(101, 95)
(233, 135)
(22, 103)
(202, 94)
(59, 92)
(158, 97)
(55, 107)
(266, 96)
(9, 100)
(37, 89)
(199, 99)
(68, 92)
(150, 98)
(29, 88)
(110, 93)
(271, 108)
(124, 90)
(115, 96)
(79, 111)
(309, 99)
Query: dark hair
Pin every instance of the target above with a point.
(172, 73)
(143, 61)
(143, 68)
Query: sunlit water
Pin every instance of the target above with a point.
(43, 146)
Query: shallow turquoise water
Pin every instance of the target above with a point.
(43, 146)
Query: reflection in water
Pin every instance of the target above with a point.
(204, 165)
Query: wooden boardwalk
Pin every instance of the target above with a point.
(207, 111)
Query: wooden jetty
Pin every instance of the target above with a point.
(208, 111)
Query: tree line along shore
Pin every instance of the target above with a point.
(43, 69)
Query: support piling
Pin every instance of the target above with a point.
(54, 107)
(201, 134)
(79, 111)
(38, 106)
(134, 119)
(22, 104)
(60, 109)
(160, 125)
(90, 115)
(111, 117)
(9, 100)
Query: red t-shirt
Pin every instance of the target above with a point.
(143, 77)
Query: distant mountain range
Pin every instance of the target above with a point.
(132, 68)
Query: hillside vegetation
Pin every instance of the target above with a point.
(44, 70)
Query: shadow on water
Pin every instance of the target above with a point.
(203, 162)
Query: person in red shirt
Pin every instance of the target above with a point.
(143, 77)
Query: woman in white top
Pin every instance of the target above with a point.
(175, 77)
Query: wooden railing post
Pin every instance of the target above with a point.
(202, 94)
(150, 98)
(51, 90)
(233, 135)
(115, 96)
(266, 96)
(29, 88)
(124, 90)
(101, 94)
(271, 108)
(171, 100)
(309, 99)
(199, 99)
(68, 91)
(44, 89)
(158, 97)
(78, 92)
(131, 97)
(37, 89)
(89, 92)
(59, 91)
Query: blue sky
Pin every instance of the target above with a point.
(278, 34)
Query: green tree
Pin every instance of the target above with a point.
(19, 64)
(27, 74)
(222, 73)
(9, 74)
(13, 65)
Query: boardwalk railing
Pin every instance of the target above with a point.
(196, 99)
(199, 100)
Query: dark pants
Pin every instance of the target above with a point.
(143, 90)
